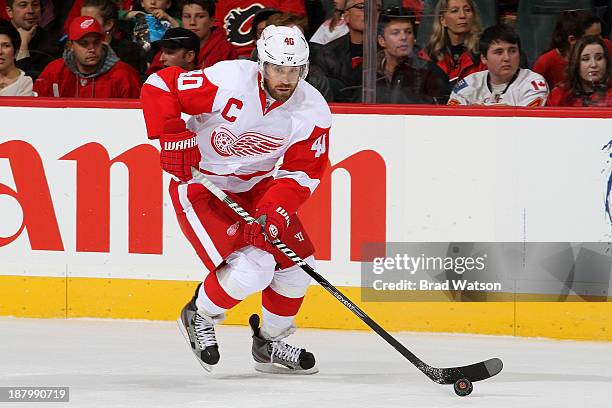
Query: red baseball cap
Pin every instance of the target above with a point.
(83, 25)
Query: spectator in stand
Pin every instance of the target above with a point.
(89, 68)
(404, 77)
(179, 47)
(13, 81)
(38, 47)
(333, 28)
(198, 16)
(552, 64)
(160, 9)
(106, 13)
(504, 82)
(589, 76)
(341, 60)
(149, 20)
(592, 25)
(235, 18)
(71, 9)
(453, 44)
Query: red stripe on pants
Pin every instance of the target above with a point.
(217, 294)
(280, 305)
(187, 229)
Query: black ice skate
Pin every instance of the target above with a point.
(278, 357)
(199, 331)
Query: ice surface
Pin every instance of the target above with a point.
(123, 363)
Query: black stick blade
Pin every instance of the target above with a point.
(473, 372)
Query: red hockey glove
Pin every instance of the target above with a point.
(179, 149)
(271, 218)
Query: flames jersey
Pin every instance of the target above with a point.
(241, 134)
(236, 16)
(527, 88)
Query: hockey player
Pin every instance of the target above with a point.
(245, 117)
(503, 83)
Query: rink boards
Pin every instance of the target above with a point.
(87, 228)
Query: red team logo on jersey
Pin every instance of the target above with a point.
(247, 144)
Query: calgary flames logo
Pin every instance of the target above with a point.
(237, 24)
(247, 144)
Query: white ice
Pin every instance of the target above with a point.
(123, 363)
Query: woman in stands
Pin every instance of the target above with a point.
(589, 76)
(552, 64)
(13, 81)
(453, 44)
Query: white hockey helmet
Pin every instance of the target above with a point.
(283, 46)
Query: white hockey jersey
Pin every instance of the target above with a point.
(241, 139)
(526, 89)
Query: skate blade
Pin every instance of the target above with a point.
(271, 368)
(183, 331)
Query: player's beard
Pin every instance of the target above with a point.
(281, 95)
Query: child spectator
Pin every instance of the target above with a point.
(89, 68)
(151, 19)
(453, 44)
(589, 76)
(198, 16)
(13, 81)
(503, 83)
(158, 8)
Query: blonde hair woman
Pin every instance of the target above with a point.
(453, 44)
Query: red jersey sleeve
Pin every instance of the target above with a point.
(303, 166)
(171, 91)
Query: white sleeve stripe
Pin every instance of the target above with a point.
(301, 177)
(156, 81)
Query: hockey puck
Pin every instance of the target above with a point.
(463, 387)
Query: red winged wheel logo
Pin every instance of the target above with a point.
(247, 144)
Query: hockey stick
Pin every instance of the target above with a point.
(473, 372)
